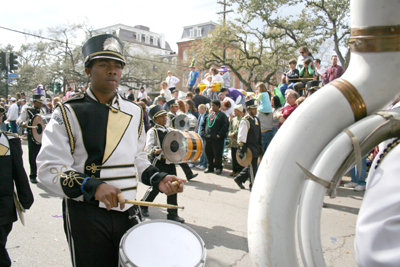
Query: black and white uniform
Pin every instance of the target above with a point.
(12, 172)
(26, 116)
(250, 135)
(87, 143)
(155, 137)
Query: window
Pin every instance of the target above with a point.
(165, 60)
(155, 39)
(147, 39)
(185, 55)
(199, 32)
(138, 37)
(192, 33)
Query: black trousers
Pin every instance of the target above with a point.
(236, 167)
(245, 173)
(214, 150)
(152, 193)
(33, 152)
(94, 233)
(5, 229)
(187, 170)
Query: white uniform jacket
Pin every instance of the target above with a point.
(86, 144)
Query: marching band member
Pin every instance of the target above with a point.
(249, 136)
(155, 137)
(12, 172)
(24, 120)
(93, 154)
(173, 109)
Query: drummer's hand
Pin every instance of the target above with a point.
(24, 125)
(108, 194)
(230, 135)
(157, 151)
(168, 188)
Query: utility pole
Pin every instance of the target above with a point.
(225, 4)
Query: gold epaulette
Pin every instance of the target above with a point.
(75, 97)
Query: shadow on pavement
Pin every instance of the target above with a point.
(343, 208)
(349, 192)
(212, 187)
(219, 236)
(47, 192)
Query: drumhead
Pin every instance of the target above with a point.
(182, 122)
(175, 146)
(37, 133)
(162, 243)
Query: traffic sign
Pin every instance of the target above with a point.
(13, 75)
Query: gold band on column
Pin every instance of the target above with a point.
(375, 39)
(353, 97)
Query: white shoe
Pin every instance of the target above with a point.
(350, 185)
(359, 188)
(191, 165)
(201, 167)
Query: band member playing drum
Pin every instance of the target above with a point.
(25, 120)
(173, 107)
(93, 154)
(155, 138)
(249, 136)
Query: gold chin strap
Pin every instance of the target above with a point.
(375, 39)
(353, 97)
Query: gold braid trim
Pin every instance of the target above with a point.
(386, 151)
(141, 122)
(375, 39)
(67, 126)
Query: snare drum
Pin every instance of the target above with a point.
(181, 147)
(161, 243)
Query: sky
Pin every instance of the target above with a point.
(164, 17)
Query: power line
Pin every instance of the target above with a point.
(34, 35)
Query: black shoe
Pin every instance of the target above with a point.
(145, 212)
(209, 171)
(33, 181)
(240, 184)
(218, 171)
(324, 205)
(175, 218)
(194, 175)
(250, 186)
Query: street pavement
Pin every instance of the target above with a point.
(214, 207)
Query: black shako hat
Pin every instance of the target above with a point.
(156, 111)
(251, 104)
(172, 103)
(38, 98)
(103, 46)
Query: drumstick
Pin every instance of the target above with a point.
(151, 204)
(32, 127)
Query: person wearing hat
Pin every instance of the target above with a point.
(142, 93)
(239, 112)
(225, 75)
(12, 115)
(214, 130)
(194, 77)
(12, 173)
(27, 115)
(154, 140)
(131, 96)
(249, 140)
(173, 108)
(93, 155)
(234, 94)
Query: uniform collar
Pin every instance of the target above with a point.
(114, 101)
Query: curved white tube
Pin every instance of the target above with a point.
(325, 167)
(279, 181)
